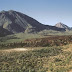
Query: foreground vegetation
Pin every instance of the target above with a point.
(47, 59)
(49, 54)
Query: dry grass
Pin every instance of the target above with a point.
(51, 58)
(68, 47)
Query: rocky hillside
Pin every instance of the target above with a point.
(16, 22)
(61, 25)
(4, 32)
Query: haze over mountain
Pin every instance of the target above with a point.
(16, 22)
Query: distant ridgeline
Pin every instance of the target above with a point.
(12, 22)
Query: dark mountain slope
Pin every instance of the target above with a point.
(54, 28)
(4, 32)
(16, 22)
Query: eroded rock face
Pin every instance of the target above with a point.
(61, 25)
(4, 32)
(16, 22)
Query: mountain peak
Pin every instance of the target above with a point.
(11, 10)
(60, 22)
(3, 11)
(16, 22)
(61, 25)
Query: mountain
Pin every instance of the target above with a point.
(4, 32)
(61, 25)
(16, 22)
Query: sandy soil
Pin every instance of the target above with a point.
(70, 71)
(15, 49)
(21, 49)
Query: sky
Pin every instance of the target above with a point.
(48, 12)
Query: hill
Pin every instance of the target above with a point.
(16, 22)
(61, 25)
(4, 32)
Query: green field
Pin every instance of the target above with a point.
(20, 37)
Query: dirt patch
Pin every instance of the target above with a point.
(15, 49)
(68, 48)
(70, 71)
(21, 49)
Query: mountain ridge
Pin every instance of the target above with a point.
(61, 25)
(16, 22)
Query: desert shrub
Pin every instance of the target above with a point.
(50, 51)
(31, 61)
(52, 59)
(57, 60)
